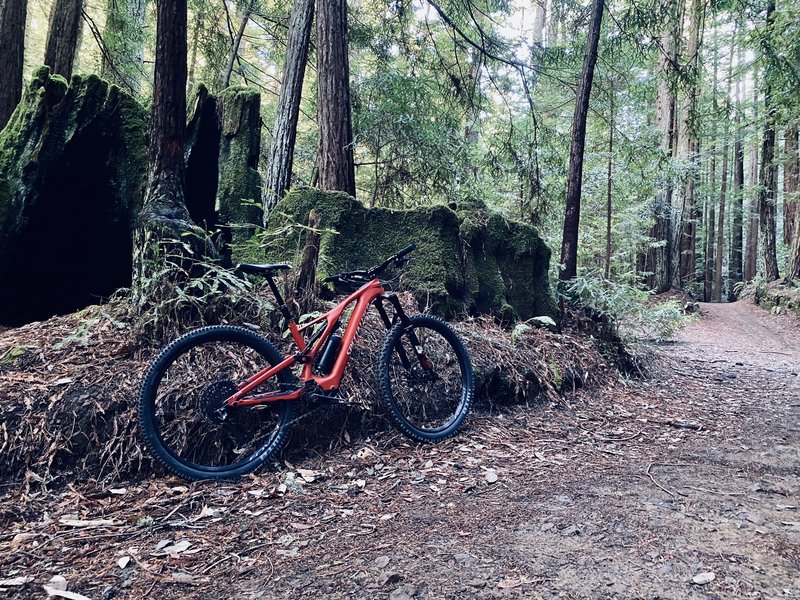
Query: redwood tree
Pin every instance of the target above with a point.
(12, 48)
(569, 243)
(62, 36)
(165, 228)
(336, 169)
(284, 134)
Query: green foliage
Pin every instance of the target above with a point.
(630, 309)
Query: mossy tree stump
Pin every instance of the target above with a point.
(72, 175)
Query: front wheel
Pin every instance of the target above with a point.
(183, 416)
(425, 377)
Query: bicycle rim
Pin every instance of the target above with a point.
(428, 403)
(193, 431)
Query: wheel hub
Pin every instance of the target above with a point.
(213, 400)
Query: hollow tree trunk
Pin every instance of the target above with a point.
(62, 36)
(12, 50)
(124, 44)
(569, 241)
(281, 151)
(165, 228)
(335, 167)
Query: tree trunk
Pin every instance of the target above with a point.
(751, 248)
(767, 252)
(735, 256)
(335, 156)
(684, 252)
(658, 262)
(62, 36)
(284, 134)
(723, 191)
(608, 189)
(794, 253)
(572, 213)
(708, 287)
(12, 49)
(124, 44)
(539, 20)
(237, 41)
(791, 179)
(165, 228)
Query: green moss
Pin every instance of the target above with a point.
(238, 200)
(468, 260)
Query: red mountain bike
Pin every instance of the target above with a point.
(219, 401)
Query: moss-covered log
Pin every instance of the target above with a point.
(72, 174)
(470, 259)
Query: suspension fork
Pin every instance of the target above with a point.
(400, 315)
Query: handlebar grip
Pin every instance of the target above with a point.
(406, 250)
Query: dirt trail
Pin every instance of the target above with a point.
(685, 485)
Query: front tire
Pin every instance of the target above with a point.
(182, 413)
(429, 396)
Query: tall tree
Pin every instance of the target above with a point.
(12, 50)
(723, 193)
(244, 15)
(658, 262)
(165, 227)
(62, 36)
(572, 212)
(123, 36)
(791, 181)
(336, 169)
(767, 251)
(751, 245)
(284, 134)
(735, 264)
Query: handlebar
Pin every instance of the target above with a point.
(365, 275)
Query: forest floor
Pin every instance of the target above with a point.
(685, 484)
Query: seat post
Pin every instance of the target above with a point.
(281, 304)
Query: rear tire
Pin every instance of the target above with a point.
(426, 404)
(182, 417)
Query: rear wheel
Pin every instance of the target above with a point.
(428, 388)
(183, 415)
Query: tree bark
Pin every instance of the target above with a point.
(12, 50)
(791, 179)
(539, 20)
(685, 229)
(658, 261)
(608, 188)
(62, 36)
(165, 228)
(237, 41)
(123, 57)
(723, 192)
(572, 213)
(767, 251)
(735, 265)
(751, 247)
(281, 151)
(335, 167)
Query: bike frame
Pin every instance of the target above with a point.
(370, 293)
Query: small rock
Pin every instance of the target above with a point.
(547, 526)
(755, 519)
(571, 530)
(476, 583)
(704, 578)
(382, 561)
(57, 582)
(491, 476)
(407, 592)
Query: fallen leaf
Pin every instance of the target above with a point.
(19, 539)
(51, 591)
(308, 475)
(382, 561)
(704, 578)
(117, 491)
(15, 581)
(180, 577)
(302, 526)
(69, 522)
(288, 553)
(175, 548)
(123, 562)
